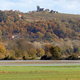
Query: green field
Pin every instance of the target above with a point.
(40, 73)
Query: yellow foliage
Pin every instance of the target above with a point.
(2, 49)
(32, 52)
(41, 52)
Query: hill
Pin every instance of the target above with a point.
(39, 16)
(19, 31)
(40, 25)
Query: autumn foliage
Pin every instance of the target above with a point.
(2, 51)
(54, 31)
(11, 23)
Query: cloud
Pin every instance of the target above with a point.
(66, 7)
(5, 4)
(72, 8)
(15, 5)
(67, 0)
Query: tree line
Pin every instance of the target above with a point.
(21, 49)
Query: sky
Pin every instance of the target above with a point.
(62, 6)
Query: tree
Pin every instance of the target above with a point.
(72, 57)
(25, 55)
(51, 11)
(36, 45)
(16, 18)
(10, 55)
(0, 32)
(2, 51)
(38, 34)
(3, 16)
(47, 48)
(23, 17)
(32, 52)
(76, 49)
(48, 35)
(56, 52)
(21, 45)
(18, 53)
(40, 52)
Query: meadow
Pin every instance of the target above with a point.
(40, 72)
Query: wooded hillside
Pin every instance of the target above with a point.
(11, 23)
(58, 29)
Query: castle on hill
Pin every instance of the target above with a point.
(43, 9)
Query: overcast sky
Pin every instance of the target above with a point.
(62, 6)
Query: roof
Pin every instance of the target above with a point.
(19, 15)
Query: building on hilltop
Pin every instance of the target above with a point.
(41, 9)
(19, 15)
(47, 10)
(12, 36)
(53, 11)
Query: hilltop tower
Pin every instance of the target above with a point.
(38, 8)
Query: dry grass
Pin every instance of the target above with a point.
(41, 16)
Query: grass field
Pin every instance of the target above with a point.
(40, 73)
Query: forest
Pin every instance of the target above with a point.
(35, 37)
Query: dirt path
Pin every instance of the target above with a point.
(38, 62)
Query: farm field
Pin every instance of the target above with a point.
(40, 72)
